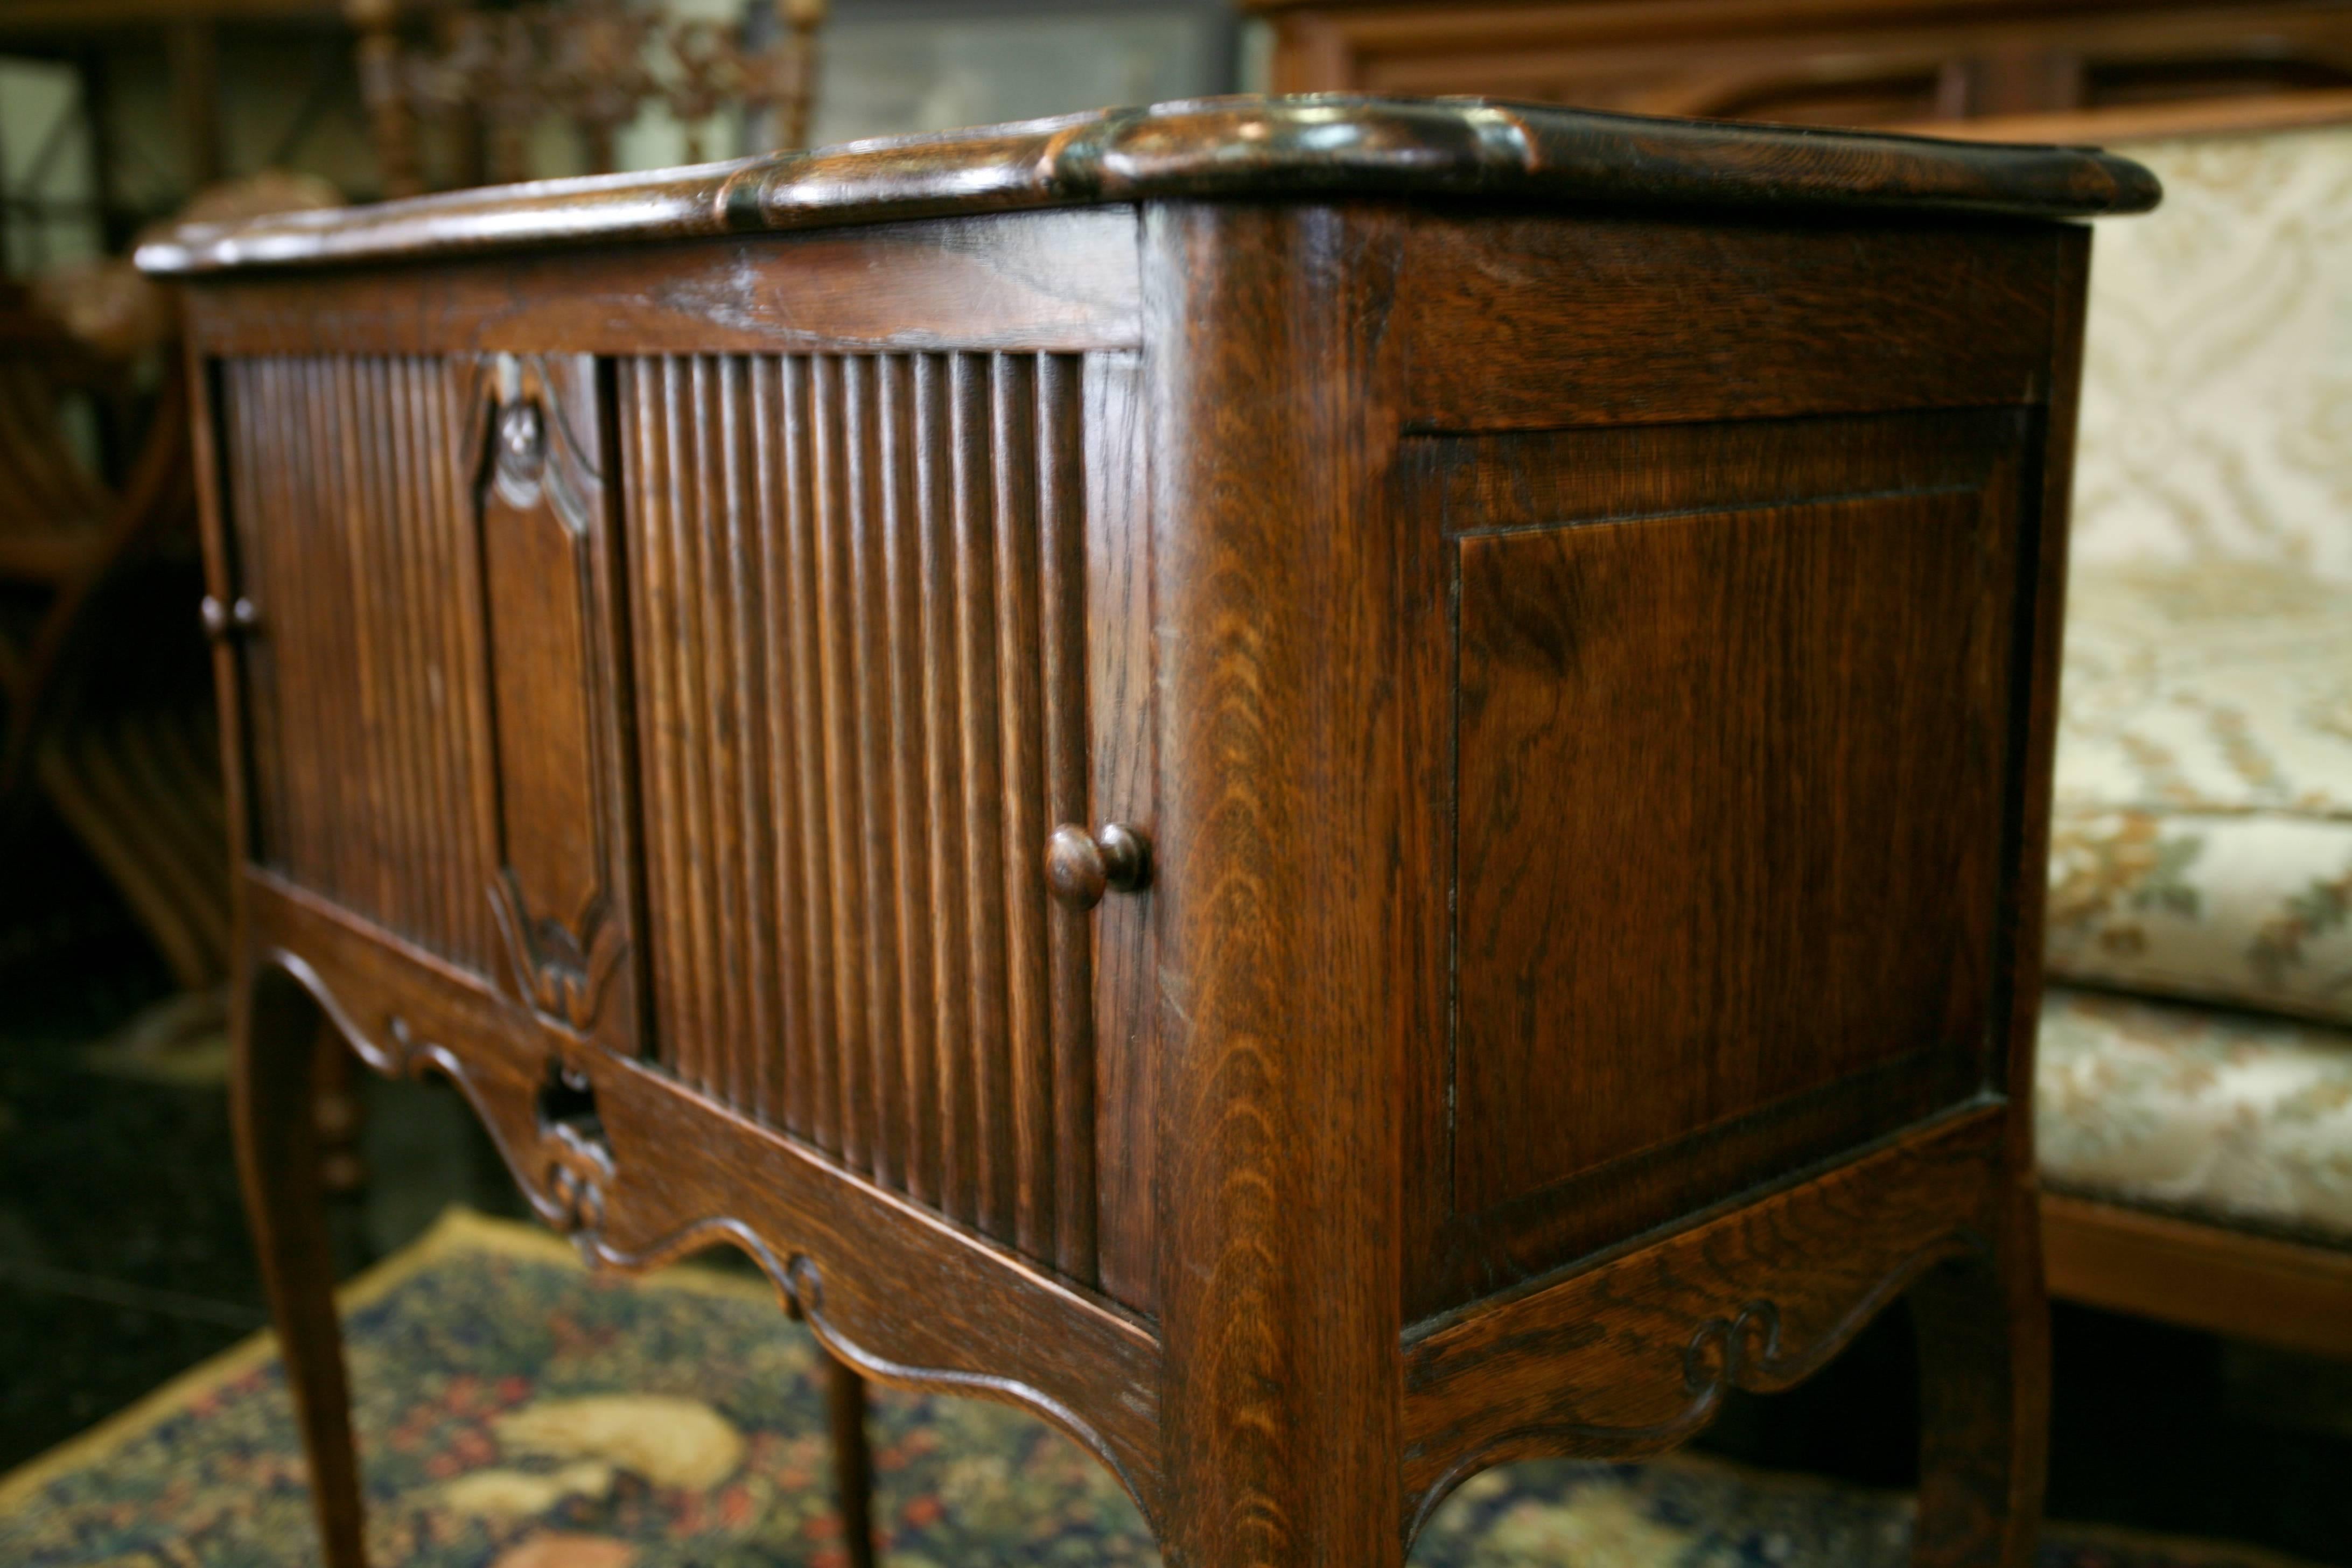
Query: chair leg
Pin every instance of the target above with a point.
(853, 1460)
(1983, 1330)
(271, 1102)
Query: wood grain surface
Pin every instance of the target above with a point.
(1792, 326)
(1577, 690)
(1240, 146)
(860, 596)
(666, 1174)
(1803, 772)
(1568, 721)
(1055, 281)
(1282, 1008)
(349, 481)
(1634, 1353)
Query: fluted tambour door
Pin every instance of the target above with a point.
(368, 723)
(858, 599)
(433, 739)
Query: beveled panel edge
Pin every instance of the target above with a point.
(1320, 144)
(1702, 1313)
(1495, 1253)
(884, 1285)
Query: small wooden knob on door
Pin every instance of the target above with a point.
(225, 621)
(1080, 867)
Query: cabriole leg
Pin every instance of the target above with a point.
(271, 1101)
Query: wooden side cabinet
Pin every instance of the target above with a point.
(1335, 789)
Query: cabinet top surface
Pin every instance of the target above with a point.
(1307, 146)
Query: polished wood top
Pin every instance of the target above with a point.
(1239, 146)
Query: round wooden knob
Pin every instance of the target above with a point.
(221, 621)
(1080, 867)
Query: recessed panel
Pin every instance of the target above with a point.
(560, 893)
(1726, 821)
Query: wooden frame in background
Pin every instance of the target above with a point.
(2296, 1295)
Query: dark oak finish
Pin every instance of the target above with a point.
(642, 1170)
(1330, 144)
(1825, 330)
(1663, 584)
(845, 1409)
(1717, 689)
(1060, 282)
(1397, 829)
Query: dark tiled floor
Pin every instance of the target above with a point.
(120, 1259)
(123, 1261)
(123, 1257)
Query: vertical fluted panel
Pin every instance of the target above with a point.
(1069, 934)
(355, 541)
(980, 801)
(858, 587)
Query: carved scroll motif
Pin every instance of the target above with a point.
(564, 1163)
(1744, 1351)
(547, 590)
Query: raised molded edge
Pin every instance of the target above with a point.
(1323, 144)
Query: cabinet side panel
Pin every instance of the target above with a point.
(356, 540)
(1725, 827)
(1729, 720)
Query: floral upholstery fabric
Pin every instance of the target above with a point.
(2225, 1115)
(2216, 377)
(2201, 828)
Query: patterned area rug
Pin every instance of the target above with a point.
(515, 1412)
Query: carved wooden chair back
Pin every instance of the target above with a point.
(496, 77)
(49, 500)
(103, 681)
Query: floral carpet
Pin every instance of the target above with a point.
(516, 1412)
